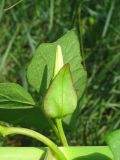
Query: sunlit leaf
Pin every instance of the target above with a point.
(13, 96)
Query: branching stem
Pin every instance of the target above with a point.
(5, 131)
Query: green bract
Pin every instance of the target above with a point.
(13, 96)
(61, 99)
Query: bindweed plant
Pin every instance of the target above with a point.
(58, 77)
(56, 73)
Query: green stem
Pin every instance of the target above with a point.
(54, 127)
(5, 131)
(51, 123)
(61, 132)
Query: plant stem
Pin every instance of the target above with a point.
(5, 131)
(52, 124)
(54, 127)
(61, 132)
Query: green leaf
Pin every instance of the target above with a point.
(113, 141)
(72, 153)
(49, 155)
(61, 98)
(19, 98)
(40, 70)
(13, 96)
(25, 118)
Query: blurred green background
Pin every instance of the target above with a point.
(25, 24)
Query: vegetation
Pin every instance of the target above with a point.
(29, 23)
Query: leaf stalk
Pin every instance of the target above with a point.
(5, 131)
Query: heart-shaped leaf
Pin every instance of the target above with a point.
(113, 141)
(13, 96)
(61, 98)
(40, 70)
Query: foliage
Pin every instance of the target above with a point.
(113, 140)
(59, 101)
(40, 70)
(14, 96)
(29, 23)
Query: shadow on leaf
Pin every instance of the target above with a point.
(43, 86)
(94, 156)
